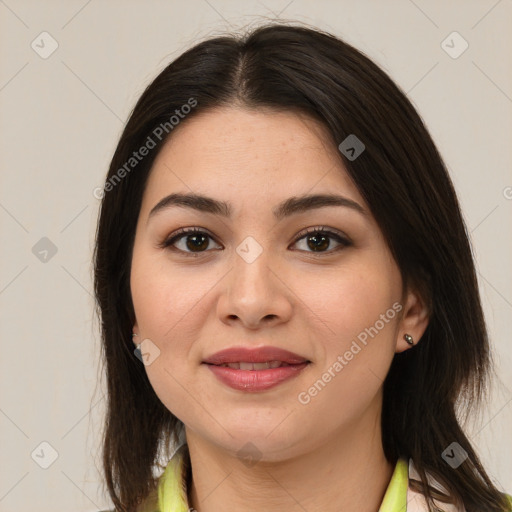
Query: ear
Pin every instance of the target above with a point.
(414, 321)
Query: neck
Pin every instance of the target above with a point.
(349, 472)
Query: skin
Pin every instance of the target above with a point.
(324, 455)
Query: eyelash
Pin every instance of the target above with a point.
(168, 242)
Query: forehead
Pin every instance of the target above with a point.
(251, 155)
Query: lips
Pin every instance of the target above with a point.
(244, 365)
(255, 369)
(258, 358)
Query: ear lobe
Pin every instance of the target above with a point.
(414, 321)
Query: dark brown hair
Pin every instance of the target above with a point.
(404, 181)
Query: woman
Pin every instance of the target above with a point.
(274, 240)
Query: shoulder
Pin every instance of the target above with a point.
(416, 501)
(150, 504)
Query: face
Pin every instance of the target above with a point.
(316, 280)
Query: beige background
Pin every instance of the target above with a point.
(60, 120)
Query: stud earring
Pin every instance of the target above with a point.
(137, 350)
(408, 339)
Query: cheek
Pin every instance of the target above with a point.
(358, 308)
(167, 307)
(348, 301)
(165, 298)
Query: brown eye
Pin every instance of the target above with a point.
(319, 240)
(190, 240)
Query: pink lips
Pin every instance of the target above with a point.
(254, 355)
(282, 365)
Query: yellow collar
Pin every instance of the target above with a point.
(172, 492)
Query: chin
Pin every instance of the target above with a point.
(259, 443)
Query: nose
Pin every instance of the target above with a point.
(255, 294)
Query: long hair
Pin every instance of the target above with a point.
(404, 181)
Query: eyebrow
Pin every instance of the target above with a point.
(291, 206)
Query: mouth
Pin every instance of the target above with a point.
(255, 358)
(257, 366)
(256, 377)
(255, 369)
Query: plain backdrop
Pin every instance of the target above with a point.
(70, 73)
